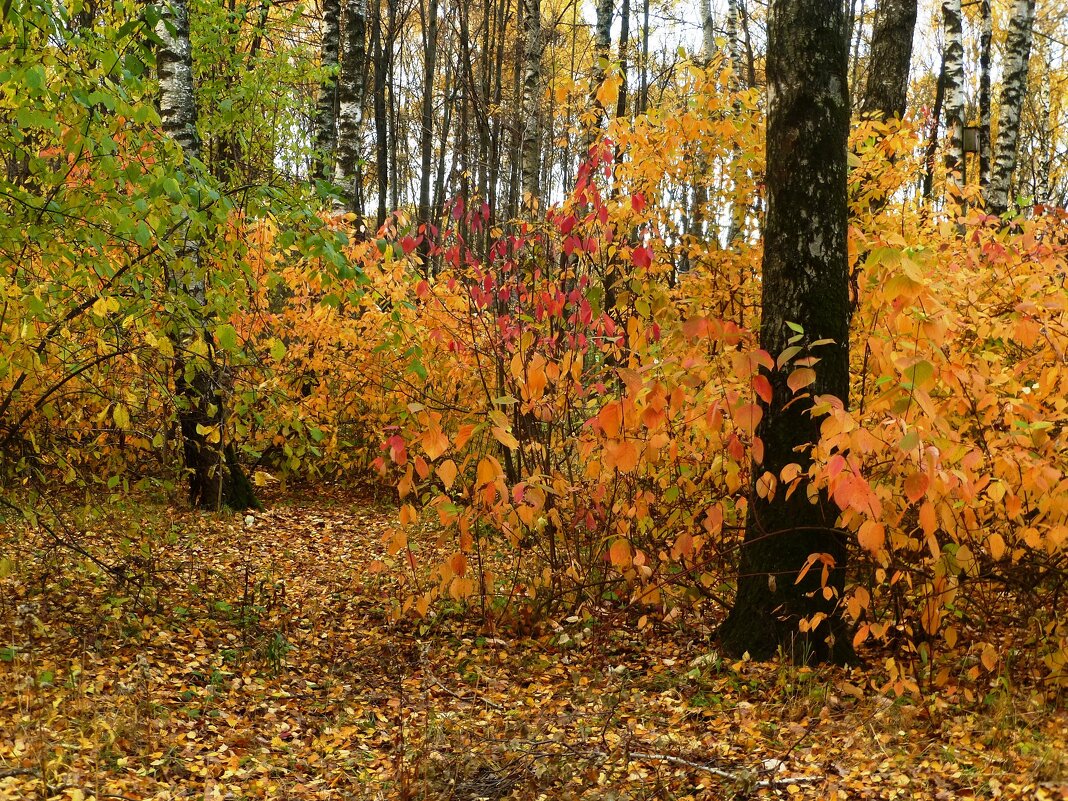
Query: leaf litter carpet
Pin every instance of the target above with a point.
(248, 658)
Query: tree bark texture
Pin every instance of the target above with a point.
(426, 133)
(1013, 89)
(886, 90)
(530, 139)
(986, 36)
(352, 84)
(954, 90)
(215, 477)
(708, 32)
(325, 120)
(805, 283)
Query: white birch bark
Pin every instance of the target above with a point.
(1014, 87)
(531, 134)
(954, 52)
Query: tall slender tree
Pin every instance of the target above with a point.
(804, 285)
(201, 386)
(1014, 87)
(986, 36)
(352, 83)
(531, 130)
(429, 13)
(325, 121)
(954, 89)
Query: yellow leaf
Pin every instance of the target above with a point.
(505, 437)
(996, 545)
(872, 536)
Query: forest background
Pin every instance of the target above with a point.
(468, 296)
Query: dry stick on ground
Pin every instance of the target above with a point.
(473, 697)
(740, 778)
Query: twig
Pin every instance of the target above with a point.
(740, 778)
(473, 697)
(6, 773)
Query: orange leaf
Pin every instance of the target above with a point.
(619, 553)
(447, 472)
(916, 486)
(747, 417)
(762, 387)
(435, 442)
(800, 378)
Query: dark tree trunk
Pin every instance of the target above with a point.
(624, 45)
(426, 143)
(986, 36)
(805, 282)
(887, 87)
(201, 389)
(381, 124)
(350, 92)
(932, 140)
(325, 124)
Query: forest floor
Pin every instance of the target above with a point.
(256, 661)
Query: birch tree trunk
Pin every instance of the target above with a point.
(325, 120)
(986, 36)
(954, 90)
(886, 90)
(708, 32)
(202, 389)
(602, 45)
(1013, 89)
(530, 139)
(734, 42)
(805, 283)
(352, 84)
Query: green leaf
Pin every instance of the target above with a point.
(226, 337)
(35, 77)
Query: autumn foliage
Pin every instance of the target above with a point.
(568, 402)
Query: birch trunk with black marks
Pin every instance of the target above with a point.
(886, 90)
(708, 33)
(352, 84)
(986, 36)
(530, 138)
(734, 42)
(1013, 89)
(602, 45)
(325, 120)
(201, 386)
(954, 91)
(805, 284)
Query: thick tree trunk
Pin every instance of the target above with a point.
(986, 36)
(215, 477)
(954, 91)
(887, 87)
(352, 83)
(805, 283)
(325, 121)
(531, 132)
(1013, 89)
